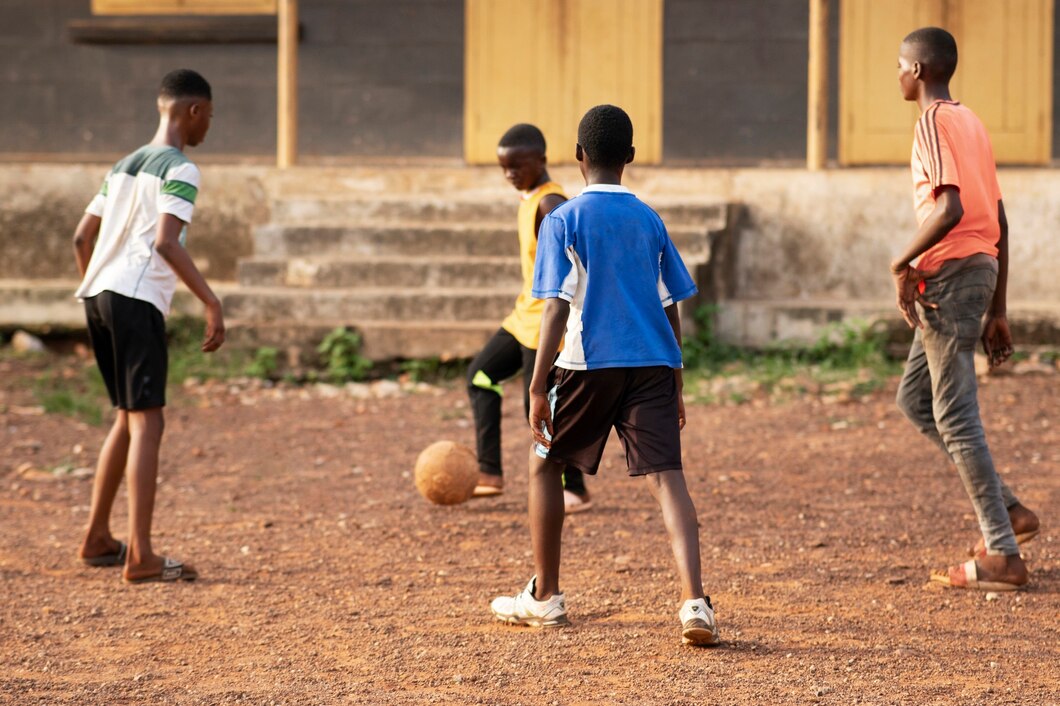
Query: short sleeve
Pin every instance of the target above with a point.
(935, 147)
(675, 284)
(554, 273)
(179, 191)
(99, 201)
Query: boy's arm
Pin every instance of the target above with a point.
(85, 240)
(553, 323)
(944, 217)
(674, 317)
(544, 207)
(997, 339)
(167, 244)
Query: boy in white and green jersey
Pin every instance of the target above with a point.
(129, 247)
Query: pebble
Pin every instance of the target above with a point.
(23, 342)
(991, 596)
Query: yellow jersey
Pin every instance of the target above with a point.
(524, 323)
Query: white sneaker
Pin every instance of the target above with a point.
(524, 609)
(698, 626)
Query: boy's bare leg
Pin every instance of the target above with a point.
(109, 471)
(145, 435)
(546, 522)
(679, 515)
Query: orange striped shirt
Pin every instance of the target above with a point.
(952, 148)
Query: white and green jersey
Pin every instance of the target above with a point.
(149, 182)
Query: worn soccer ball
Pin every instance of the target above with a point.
(446, 473)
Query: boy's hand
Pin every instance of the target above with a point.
(997, 339)
(907, 285)
(215, 328)
(680, 411)
(540, 413)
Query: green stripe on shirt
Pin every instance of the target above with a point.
(180, 189)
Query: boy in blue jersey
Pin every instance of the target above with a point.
(611, 279)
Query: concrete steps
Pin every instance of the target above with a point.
(421, 265)
(417, 275)
(381, 272)
(356, 305)
(412, 240)
(439, 209)
(382, 340)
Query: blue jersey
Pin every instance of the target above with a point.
(609, 255)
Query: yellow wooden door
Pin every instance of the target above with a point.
(1004, 74)
(548, 61)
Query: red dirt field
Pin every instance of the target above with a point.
(326, 579)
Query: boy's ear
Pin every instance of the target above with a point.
(918, 70)
(578, 153)
(632, 151)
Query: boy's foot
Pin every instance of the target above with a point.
(488, 485)
(1025, 525)
(524, 609)
(165, 570)
(698, 626)
(991, 573)
(576, 502)
(103, 554)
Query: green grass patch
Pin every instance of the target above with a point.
(847, 359)
(186, 358)
(76, 392)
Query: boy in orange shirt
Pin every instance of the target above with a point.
(962, 274)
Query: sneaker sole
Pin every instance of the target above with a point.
(700, 637)
(560, 622)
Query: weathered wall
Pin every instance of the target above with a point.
(377, 78)
(803, 235)
(385, 78)
(831, 234)
(735, 80)
(42, 204)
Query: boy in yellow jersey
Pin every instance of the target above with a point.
(521, 153)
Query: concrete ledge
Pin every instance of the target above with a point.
(760, 323)
(45, 306)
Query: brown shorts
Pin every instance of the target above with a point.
(640, 403)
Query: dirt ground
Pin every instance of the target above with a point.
(328, 580)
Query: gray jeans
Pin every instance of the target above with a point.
(938, 392)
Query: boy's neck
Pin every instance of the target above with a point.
(169, 134)
(541, 181)
(603, 176)
(931, 92)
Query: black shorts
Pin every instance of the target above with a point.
(129, 340)
(641, 405)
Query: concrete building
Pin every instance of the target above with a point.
(400, 102)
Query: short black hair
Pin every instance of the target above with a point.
(937, 51)
(184, 83)
(523, 135)
(606, 136)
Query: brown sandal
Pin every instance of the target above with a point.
(172, 570)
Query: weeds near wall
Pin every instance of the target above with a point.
(341, 351)
(849, 357)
